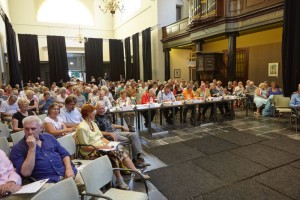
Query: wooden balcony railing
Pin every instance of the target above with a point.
(175, 28)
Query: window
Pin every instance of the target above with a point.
(76, 65)
(64, 11)
(178, 12)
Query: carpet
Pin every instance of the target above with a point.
(184, 181)
(174, 153)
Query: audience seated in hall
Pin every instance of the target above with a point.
(40, 156)
(121, 134)
(88, 133)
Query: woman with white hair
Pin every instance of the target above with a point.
(260, 97)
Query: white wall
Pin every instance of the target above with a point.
(24, 21)
(150, 14)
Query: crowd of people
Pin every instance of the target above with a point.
(80, 108)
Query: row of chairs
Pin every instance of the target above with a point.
(96, 174)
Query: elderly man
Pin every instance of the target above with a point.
(102, 97)
(112, 130)
(10, 181)
(9, 107)
(40, 156)
(295, 101)
(166, 95)
(69, 113)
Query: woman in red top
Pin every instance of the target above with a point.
(148, 98)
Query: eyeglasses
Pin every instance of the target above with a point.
(55, 109)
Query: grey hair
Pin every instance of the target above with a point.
(32, 118)
(100, 103)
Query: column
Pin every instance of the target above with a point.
(231, 68)
(167, 64)
(198, 50)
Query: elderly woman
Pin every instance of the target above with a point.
(148, 97)
(260, 97)
(80, 98)
(128, 116)
(61, 97)
(88, 133)
(21, 114)
(33, 101)
(274, 89)
(54, 124)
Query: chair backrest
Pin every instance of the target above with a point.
(275, 98)
(68, 143)
(97, 174)
(17, 136)
(65, 189)
(42, 116)
(4, 145)
(283, 102)
(4, 131)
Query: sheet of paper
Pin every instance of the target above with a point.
(113, 146)
(32, 187)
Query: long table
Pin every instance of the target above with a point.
(137, 109)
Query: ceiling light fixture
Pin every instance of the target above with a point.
(112, 6)
(79, 37)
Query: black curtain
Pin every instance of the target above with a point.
(14, 72)
(291, 47)
(136, 57)
(116, 55)
(129, 74)
(146, 37)
(94, 58)
(30, 60)
(58, 62)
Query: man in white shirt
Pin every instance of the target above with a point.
(9, 107)
(101, 97)
(69, 113)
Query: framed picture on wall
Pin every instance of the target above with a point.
(177, 73)
(273, 69)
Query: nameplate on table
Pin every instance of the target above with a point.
(126, 108)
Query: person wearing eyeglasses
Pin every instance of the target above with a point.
(54, 124)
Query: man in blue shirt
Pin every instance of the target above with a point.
(45, 103)
(295, 101)
(166, 95)
(40, 156)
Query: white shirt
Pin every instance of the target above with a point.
(71, 117)
(9, 109)
(58, 125)
(105, 99)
